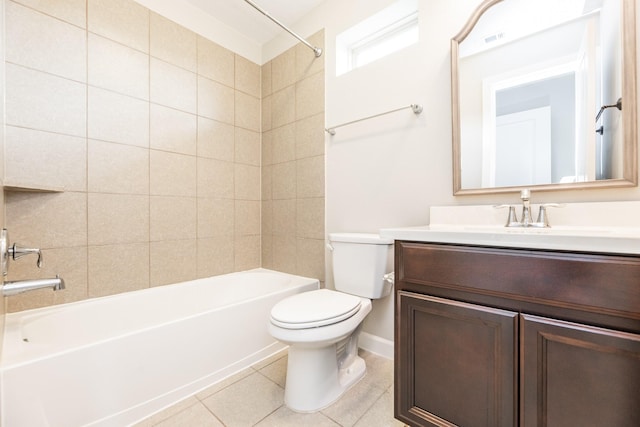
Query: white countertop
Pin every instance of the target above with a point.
(582, 239)
(607, 227)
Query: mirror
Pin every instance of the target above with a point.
(529, 78)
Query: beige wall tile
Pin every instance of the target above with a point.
(118, 268)
(310, 136)
(247, 182)
(310, 177)
(172, 174)
(283, 107)
(265, 74)
(72, 11)
(215, 256)
(118, 168)
(247, 147)
(284, 217)
(267, 178)
(119, 68)
(172, 42)
(118, 118)
(38, 157)
(283, 70)
(247, 252)
(310, 218)
(267, 148)
(247, 218)
(124, 21)
(248, 78)
(47, 220)
(310, 258)
(173, 218)
(69, 263)
(47, 44)
(215, 62)
(216, 101)
(215, 179)
(267, 217)
(306, 61)
(173, 130)
(118, 219)
(215, 139)
(267, 251)
(284, 254)
(283, 181)
(172, 262)
(42, 101)
(266, 113)
(310, 96)
(173, 86)
(284, 143)
(215, 217)
(247, 111)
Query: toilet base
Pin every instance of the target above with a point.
(314, 380)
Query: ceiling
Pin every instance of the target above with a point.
(241, 16)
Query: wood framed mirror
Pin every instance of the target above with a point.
(544, 96)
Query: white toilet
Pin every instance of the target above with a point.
(322, 326)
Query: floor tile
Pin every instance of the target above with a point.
(246, 402)
(255, 397)
(353, 404)
(195, 415)
(380, 414)
(277, 371)
(284, 417)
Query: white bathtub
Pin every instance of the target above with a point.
(112, 361)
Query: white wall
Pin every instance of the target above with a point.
(388, 171)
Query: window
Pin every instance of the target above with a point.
(388, 31)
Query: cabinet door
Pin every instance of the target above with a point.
(455, 363)
(577, 375)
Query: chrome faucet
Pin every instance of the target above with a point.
(526, 220)
(14, 252)
(19, 286)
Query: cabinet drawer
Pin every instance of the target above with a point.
(607, 285)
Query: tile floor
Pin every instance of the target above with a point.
(255, 397)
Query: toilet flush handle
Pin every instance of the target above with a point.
(330, 247)
(389, 277)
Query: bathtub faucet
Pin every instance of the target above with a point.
(19, 286)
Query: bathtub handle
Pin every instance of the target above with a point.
(16, 252)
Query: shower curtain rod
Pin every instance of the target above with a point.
(315, 49)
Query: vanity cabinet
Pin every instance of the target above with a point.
(516, 337)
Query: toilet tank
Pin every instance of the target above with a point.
(360, 261)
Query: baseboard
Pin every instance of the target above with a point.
(375, 344)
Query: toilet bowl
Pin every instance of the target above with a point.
(322, 326)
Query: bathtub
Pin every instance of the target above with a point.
(115, 360)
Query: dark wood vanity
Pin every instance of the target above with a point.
(491, 337)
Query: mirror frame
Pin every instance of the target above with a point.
(629, 110)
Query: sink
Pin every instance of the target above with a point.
(613, 228)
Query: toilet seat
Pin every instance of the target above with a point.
(314, 309)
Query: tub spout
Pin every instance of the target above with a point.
(19, 286)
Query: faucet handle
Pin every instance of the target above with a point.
(543, 219)
(17, 251)
(512, 219)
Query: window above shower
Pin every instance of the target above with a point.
(380, 35)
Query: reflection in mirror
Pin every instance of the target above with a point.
(529, 78)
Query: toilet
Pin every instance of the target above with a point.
(322, 327)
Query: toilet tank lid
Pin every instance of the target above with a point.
(370, 238)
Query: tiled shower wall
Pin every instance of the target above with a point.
(155, 135)
(293, 192)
